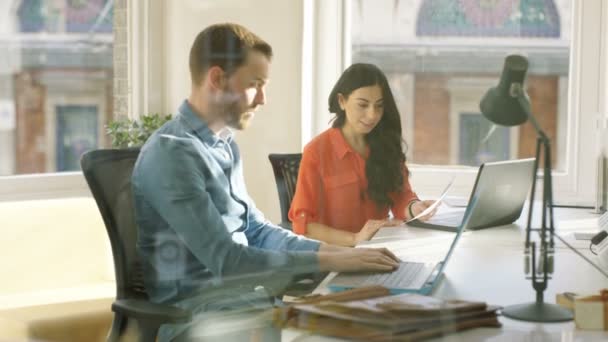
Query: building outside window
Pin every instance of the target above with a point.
(442, 55)
(56, 77)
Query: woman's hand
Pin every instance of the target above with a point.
(359, 260)
(371, 227)
(420, 206)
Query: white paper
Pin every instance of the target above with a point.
(434, 205)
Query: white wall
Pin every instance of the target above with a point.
(277, 126)
(602, 196)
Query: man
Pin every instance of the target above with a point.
(203, 244)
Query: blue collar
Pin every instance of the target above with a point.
(200, 128)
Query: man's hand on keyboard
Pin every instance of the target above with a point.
(359, 260)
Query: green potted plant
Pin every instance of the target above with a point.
(127, 132)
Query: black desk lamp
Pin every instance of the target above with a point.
(508, 105)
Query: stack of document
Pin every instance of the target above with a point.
(381, 317)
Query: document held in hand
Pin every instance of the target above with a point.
(434, 205)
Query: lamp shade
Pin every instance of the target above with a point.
(502, 104)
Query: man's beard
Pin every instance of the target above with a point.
(233, 116)
(232, 112)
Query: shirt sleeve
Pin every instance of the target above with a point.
(306, 200)
(264, 234)
(402, 199)
(175, 186)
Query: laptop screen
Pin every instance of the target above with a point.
(465, 222)
(501, 189)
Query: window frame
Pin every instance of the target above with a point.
(572, 185)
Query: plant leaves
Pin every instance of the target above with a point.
(125, 132)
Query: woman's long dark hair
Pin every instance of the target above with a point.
(384, 166)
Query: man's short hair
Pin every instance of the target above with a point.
(224, 45)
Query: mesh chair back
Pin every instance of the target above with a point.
(108, 174)
(285, 168)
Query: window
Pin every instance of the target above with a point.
(442, 55)
(447, 45)
(479, 142)
(56, 81)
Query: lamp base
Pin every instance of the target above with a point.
(538, 312)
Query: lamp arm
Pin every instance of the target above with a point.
(527, 245)
(543, 140)
(543, 147)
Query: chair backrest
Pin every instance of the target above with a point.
(108, 174)
(285, 168)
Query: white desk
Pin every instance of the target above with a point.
(487, 265)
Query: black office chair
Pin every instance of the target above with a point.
(108, 174)
(285, 168)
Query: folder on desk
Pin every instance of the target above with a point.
(401, 317)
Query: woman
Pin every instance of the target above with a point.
(352, 174)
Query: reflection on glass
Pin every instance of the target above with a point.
(56, 80)
(441, 56)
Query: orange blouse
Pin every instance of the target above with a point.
(332, 187)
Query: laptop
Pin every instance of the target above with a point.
(411, 276)
(502, 189)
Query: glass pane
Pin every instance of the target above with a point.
(56, 80)
(76, 134)
(478, 144)
(441, 56)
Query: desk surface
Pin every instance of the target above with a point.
(488, 265)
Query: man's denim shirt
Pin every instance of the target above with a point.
(197, 226)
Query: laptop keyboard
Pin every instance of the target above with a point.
(450, 218)
(403, 277)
